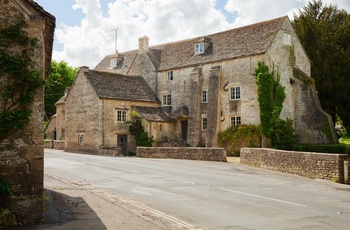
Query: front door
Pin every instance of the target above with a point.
(184, 125)
(122, 142)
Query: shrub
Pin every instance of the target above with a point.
(337, 149)
(283, 134)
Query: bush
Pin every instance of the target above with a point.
(282, 134)
(337, 149)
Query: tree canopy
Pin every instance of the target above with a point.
(61, 76)
(324, 31)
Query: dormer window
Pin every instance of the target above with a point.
(113, 63)
(199, 48)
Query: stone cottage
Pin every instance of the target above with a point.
(206, 84)
(22, 152)
(97, 111)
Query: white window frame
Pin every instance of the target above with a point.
(204, 123)
(113, 63)
(121, 116)
(170, 75)
(199, 48)
(205, 96)
(287, 39)
(235, 120)
(235, 93)
(166, 99)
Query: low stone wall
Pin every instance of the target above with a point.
(312, 165)
(205, 154)
(58, 144)
(110, 151)
(54, 144)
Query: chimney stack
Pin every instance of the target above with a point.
(143, 44)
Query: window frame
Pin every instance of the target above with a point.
(287, 39)
(204, 123)
(113, 62)
(121, 116)
(235, 120)
(199, 48)
(166, 99)
(235, 94)
(170, 75)
(81, 138)
(205, 96)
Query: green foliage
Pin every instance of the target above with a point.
(283, 134)
(142, 138)
(61, 76)
(324, 31)
(337, 149)
(5, 187)
(270, 96)
(249, 133)
(19, 75)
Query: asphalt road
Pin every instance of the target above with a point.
(185, 194)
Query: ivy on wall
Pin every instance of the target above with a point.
(19, 75)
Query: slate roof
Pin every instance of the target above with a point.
(245, 41)
(122, 87)
(152, 113)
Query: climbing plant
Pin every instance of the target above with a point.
(136, 129)
(19, 75)
(271, 96)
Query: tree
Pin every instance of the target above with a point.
(324, 31)
(61, 76)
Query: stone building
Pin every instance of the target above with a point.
(97, 111)
(21, 153)
(206, 84)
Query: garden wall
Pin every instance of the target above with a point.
(205, 154)
(312, 165)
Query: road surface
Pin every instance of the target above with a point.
(183, 194)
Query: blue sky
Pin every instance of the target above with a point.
(84, 33)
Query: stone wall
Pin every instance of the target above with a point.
(21, 153)
(312, 165)
(205, 154)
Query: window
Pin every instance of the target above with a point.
(170, 75)
(199, 48)
(113, 63)
(121, 115)
(235, 93)
(166, 100)
(287, 39)
(205, 96)
(204, 123)
(81, 139)
(235, 120)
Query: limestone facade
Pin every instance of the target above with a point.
(21, 153)
(206, 84)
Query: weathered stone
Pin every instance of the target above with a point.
(312, 165)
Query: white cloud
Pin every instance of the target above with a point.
(161, 20)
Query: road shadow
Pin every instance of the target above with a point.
(63, 212)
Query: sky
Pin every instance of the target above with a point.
(88, 30)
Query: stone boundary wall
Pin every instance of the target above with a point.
(312, 165)
(56, 144)
(205, 154)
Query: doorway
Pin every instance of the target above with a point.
(122, 142)
(184, 125)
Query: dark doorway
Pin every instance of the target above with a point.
(184, 125)
(122, 142)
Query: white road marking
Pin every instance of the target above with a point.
(263, 197)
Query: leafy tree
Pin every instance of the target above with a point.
(324, 31)
(61, 76)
